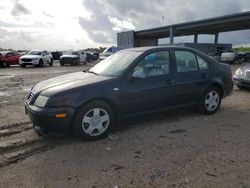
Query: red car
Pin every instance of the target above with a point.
(8, 58)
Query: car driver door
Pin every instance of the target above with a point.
(148, 86)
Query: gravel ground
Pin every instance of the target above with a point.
(177, 148)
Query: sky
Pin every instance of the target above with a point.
(80, 24)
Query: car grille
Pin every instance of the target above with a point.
(30, 98)
(248, 75)
(26, 60)
(67, 60)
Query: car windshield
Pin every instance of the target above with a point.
(34, 53)
(3, 53)
(71, 53)
(115, 64)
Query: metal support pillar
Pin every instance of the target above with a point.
(216, 37)
(196, 38)
(171, 33)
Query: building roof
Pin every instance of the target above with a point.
(232, 22)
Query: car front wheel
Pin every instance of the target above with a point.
(5, 64)
(40, 64)
(210, 101)
(94, 120)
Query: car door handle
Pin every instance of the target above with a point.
(204, 76)
(169, 82)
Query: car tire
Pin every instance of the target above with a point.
(210, 101)
(240, 87)
(94, 120)
(22, 65)
(40, 64)
(5, 64)
(61, 63)
(51, 62)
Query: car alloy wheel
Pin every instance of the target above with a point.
(212, 101)
(95, 122)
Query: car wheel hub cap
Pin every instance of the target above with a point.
(95, 122)
(212, 101)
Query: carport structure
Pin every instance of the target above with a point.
(211, 26)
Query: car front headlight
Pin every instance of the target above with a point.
(240, 73)
(41, 101)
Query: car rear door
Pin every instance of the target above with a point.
(191, 76)
(148, 86)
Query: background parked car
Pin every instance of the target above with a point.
(8, 58)
(37, 58)
(73, 58)
(230, 57)
(108, 51)
(242, 77)
(92, 56)
(56, 55)
(244, 56)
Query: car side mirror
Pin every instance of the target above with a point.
(138, 74)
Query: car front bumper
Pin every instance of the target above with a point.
(242, 82)
(46, 120)
(31, 62)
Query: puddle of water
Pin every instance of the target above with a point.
(6, 76)
(4, 102)
(2, 93)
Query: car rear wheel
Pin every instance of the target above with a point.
(51, 62)
(94, 120)
(210, 101)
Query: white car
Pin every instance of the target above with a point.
(73, 57)
(37, 58)
(107, 52)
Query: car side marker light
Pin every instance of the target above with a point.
(60, 115)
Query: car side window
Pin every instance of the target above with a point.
(185, 61)
(203, 64)
(154, 64)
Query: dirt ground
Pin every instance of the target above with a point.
(177, 148)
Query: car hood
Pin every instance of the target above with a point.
(67, 82)
(31, 56)
(71, 56)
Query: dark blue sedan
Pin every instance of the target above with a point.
(130, 82)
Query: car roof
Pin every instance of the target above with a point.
(144, 49)
(4, 52)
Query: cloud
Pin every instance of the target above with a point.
(111, 16)
(48, 15)
(90, 23)
(19, 9)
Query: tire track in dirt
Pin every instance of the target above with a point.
(18, 141)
